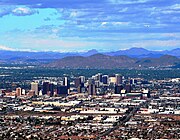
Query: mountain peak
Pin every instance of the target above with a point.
(92, 51)
(111, 62)
(166, 56)
(137, 48)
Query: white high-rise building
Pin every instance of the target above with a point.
(65, 81)
(34, 87)
(82, 79)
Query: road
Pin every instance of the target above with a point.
(121, 121)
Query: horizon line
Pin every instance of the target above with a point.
(83, 51)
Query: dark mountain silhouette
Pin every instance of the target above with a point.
(45, 57)
(108, 62)
(89, 53)
(165, 60)
(130, 52)
(143, 53)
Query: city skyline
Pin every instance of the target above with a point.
(105, 25)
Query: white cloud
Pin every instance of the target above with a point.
(73, 14)
(175, 7)
(23, 11)
(128, 1)
(120, 23)
(114, 23)
(103, 23)
(6, 48)
(123, 10)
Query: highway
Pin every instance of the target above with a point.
(121, 121)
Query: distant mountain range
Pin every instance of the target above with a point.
(109, 62)
(47, 57)
(143, 53)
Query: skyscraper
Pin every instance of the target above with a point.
(118, 89)
(62, 90)
(118, 79)
(45, 88)
(66, 82)
(82, 79)
(105, 79)
(112, 80)
(100, 77)
(133, 81)
(81, 88)
(51, 89)
(128, 88)
(18, 91)
(34, 87)
(91, 87)
(77, 82)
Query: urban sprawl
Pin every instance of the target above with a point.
(110, 107)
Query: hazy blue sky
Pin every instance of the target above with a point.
(80, 25)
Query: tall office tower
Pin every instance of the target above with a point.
(105, 79)
(118, 79)
(133, 81)
(51, 89)
(45, 88)
(99, 77)
(23, 91)
(97, 84)
(112, 80)
(66, 82)
(91, 87)
(62, 90)
(77, 82)
(91, 81)
(128, 88)
(34, 87)
(118, 89)
(81, 88)
(94, 77)
(83, 80)
(18, 91)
